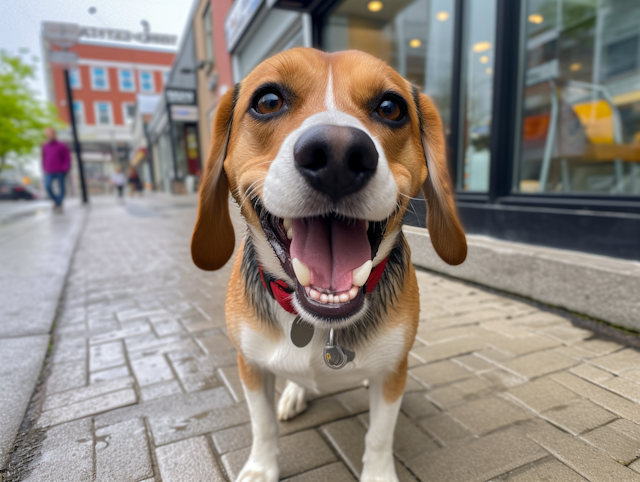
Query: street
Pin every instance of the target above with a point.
(140, 381)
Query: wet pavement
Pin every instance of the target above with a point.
(141, 383)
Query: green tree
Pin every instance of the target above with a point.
(22, 116)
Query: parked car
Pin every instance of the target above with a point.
(16, 190)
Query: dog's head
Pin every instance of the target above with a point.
(322, 152)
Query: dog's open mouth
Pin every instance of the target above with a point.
(330, 256)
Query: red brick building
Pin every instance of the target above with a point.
(105, 85)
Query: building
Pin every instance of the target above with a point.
(105, 85)
(180, 129)
(541, 105)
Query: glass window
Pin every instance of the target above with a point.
(208, 34)
(128, 112)
(103, 113)
(580, 105)
(74, 79)
(413, 37)
(146, 82)
(99, 78)
(126, 80)
(477, 94)
(78, 112)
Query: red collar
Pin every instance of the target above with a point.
(283, 294)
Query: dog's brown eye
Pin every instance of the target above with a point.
(269, 103)
(390, 110)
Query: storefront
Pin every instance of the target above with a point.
(554, 159)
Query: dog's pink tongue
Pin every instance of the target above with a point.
(331, 249)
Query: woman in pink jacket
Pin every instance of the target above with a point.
(56, 161)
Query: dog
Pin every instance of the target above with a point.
(323, 152)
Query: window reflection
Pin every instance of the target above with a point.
(413, 37)
(581, 98)
(477, 81)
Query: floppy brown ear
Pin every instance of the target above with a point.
(445, 231)
(213, 239)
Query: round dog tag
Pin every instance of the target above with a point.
(301, 332)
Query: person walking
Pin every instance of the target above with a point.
(119, 180)
(134, 182)
(56, 161)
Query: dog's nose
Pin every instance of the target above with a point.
(336, 160)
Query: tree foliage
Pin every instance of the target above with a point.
(23, 117)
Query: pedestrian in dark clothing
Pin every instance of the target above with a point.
(134, 182)
(56, 161)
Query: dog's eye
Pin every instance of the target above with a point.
(389, 109)
(269, 103)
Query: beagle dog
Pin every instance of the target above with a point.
(322, 152)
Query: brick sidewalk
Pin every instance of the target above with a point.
(142, 383)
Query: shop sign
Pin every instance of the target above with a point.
(240, 15)
(70, 33)
(180, 96)
(63, 58)
(184, 113)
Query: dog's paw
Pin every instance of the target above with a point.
(254, 472)
(292, 402)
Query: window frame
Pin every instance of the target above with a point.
(106, 88)
(83, 118)
(209, 48)
(133, 80)
(153, 82)
(96, 112)
(78, 77)
(124, 113)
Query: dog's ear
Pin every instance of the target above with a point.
(213, 239)
(445, 231)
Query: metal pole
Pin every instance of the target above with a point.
(76, 143)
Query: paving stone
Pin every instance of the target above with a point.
(189, 460)
(579, 416)
(159, 390)
(231, 379)
(355, 401)
(151, 369)
(336, 471)
(474, 363)
(502, 380)
(619, 362)
(68, 348)
(539, 363)
(597, 346)
(580, 456)
(447, 349)
(67, 454)
(347, 437)
(198, 373)
(591, 373)
(122, 452)
(294, 455)
(543, 394)
(614, 443)
(65, 376)
(84, 393)
(612, 402)
(120, 334)
(439, 373)
(320, 411)
(167, 327)
(215, 344)
(469, 318)
(428, 335)
(488, 414)
(170, 428)
(479, 460)
(416, 406)
(233, 438)
(445, 429)
(91, 406)
(624, 387)
(109, 374)
(544, 470)
(107, 355)
(566, 333)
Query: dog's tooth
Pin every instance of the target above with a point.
(324, 298)
(314, 294)
(353, 292)
(361, 274)
(301, 271)
(287, 223)
(344, 297)
(290, 233)
(330, 298)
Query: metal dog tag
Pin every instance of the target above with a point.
(335, 356)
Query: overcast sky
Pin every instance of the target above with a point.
(20, 20)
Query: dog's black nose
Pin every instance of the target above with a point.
(336, 160)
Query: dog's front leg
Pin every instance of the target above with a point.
(385, 397)
(259, 386)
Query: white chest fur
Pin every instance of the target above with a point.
(305, 366)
